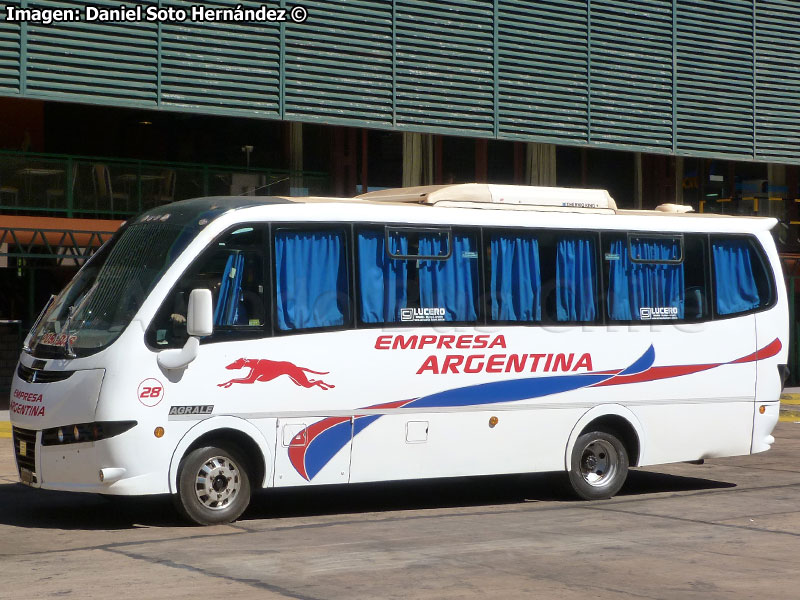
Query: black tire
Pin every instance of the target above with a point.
(213, 486)
(598, 465)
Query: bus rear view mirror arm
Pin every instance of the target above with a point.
(199, 323)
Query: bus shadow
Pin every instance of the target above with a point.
(454, 493)
(22, 506)
(649, 482)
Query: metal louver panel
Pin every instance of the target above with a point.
(108, 62)
(542, 63)
(9, 53)
(778, 79)
(631, 73)
(230, 68)
(715, 77)
(339, 62)
(445, 66)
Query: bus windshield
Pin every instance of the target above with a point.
(100, 301)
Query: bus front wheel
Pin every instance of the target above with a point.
(598, 465)
(213, 486)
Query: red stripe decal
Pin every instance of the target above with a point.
(767, 351)
(655, 373)
(666, 372)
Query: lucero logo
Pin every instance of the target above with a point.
(647, 313)
(422, 314)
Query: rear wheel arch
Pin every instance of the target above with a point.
(615, 419)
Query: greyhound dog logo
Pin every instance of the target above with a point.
(267, 370)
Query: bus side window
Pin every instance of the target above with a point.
(232, 268)
(576, 279)
(645, 277)
(740, 279)
(311, 283)
(443, 289)
(666, 279)
(569, 277)
(515, 281)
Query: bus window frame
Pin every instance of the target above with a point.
(758, 248)
(656, 236)
(389, 229)
(550, 236)
(610, 234)
(476, 230)
(349, 321)
(227, 333)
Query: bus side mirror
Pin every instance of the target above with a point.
(199, 323)
(200, 314)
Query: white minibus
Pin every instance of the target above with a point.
(219, 345)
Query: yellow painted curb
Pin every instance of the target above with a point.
(5, 429)
(790, 401)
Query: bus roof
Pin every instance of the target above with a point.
(463, 195)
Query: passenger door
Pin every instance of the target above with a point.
(302, 446)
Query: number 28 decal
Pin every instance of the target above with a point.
(150, 392)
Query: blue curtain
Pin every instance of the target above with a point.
(311, 279)
(633, 285)
(516, 282)
(227, 310)
(576, 280)
(451, 284)
(384, 281)
(733, 274)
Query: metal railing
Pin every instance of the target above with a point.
(70, 247)
(113, 188)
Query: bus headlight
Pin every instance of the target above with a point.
(85, 432)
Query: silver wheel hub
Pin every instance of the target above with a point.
(599, 463)
(218, 482)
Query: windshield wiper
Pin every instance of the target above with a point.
(67, 344)
(26, 347)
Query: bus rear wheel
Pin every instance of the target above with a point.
(598, 465)
(213, 486)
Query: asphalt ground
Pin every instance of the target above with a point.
(724, 530)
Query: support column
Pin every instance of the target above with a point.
(481, 161)
(678, 180)
(777, 191)
(637, 180)
(418, 163)
(344, 149)
(540, 164)
(519, 163)
(296, 184)
(364, 160)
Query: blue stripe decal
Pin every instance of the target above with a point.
(645, 362)
(325, 446)
(508, 391)
(322, 448)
